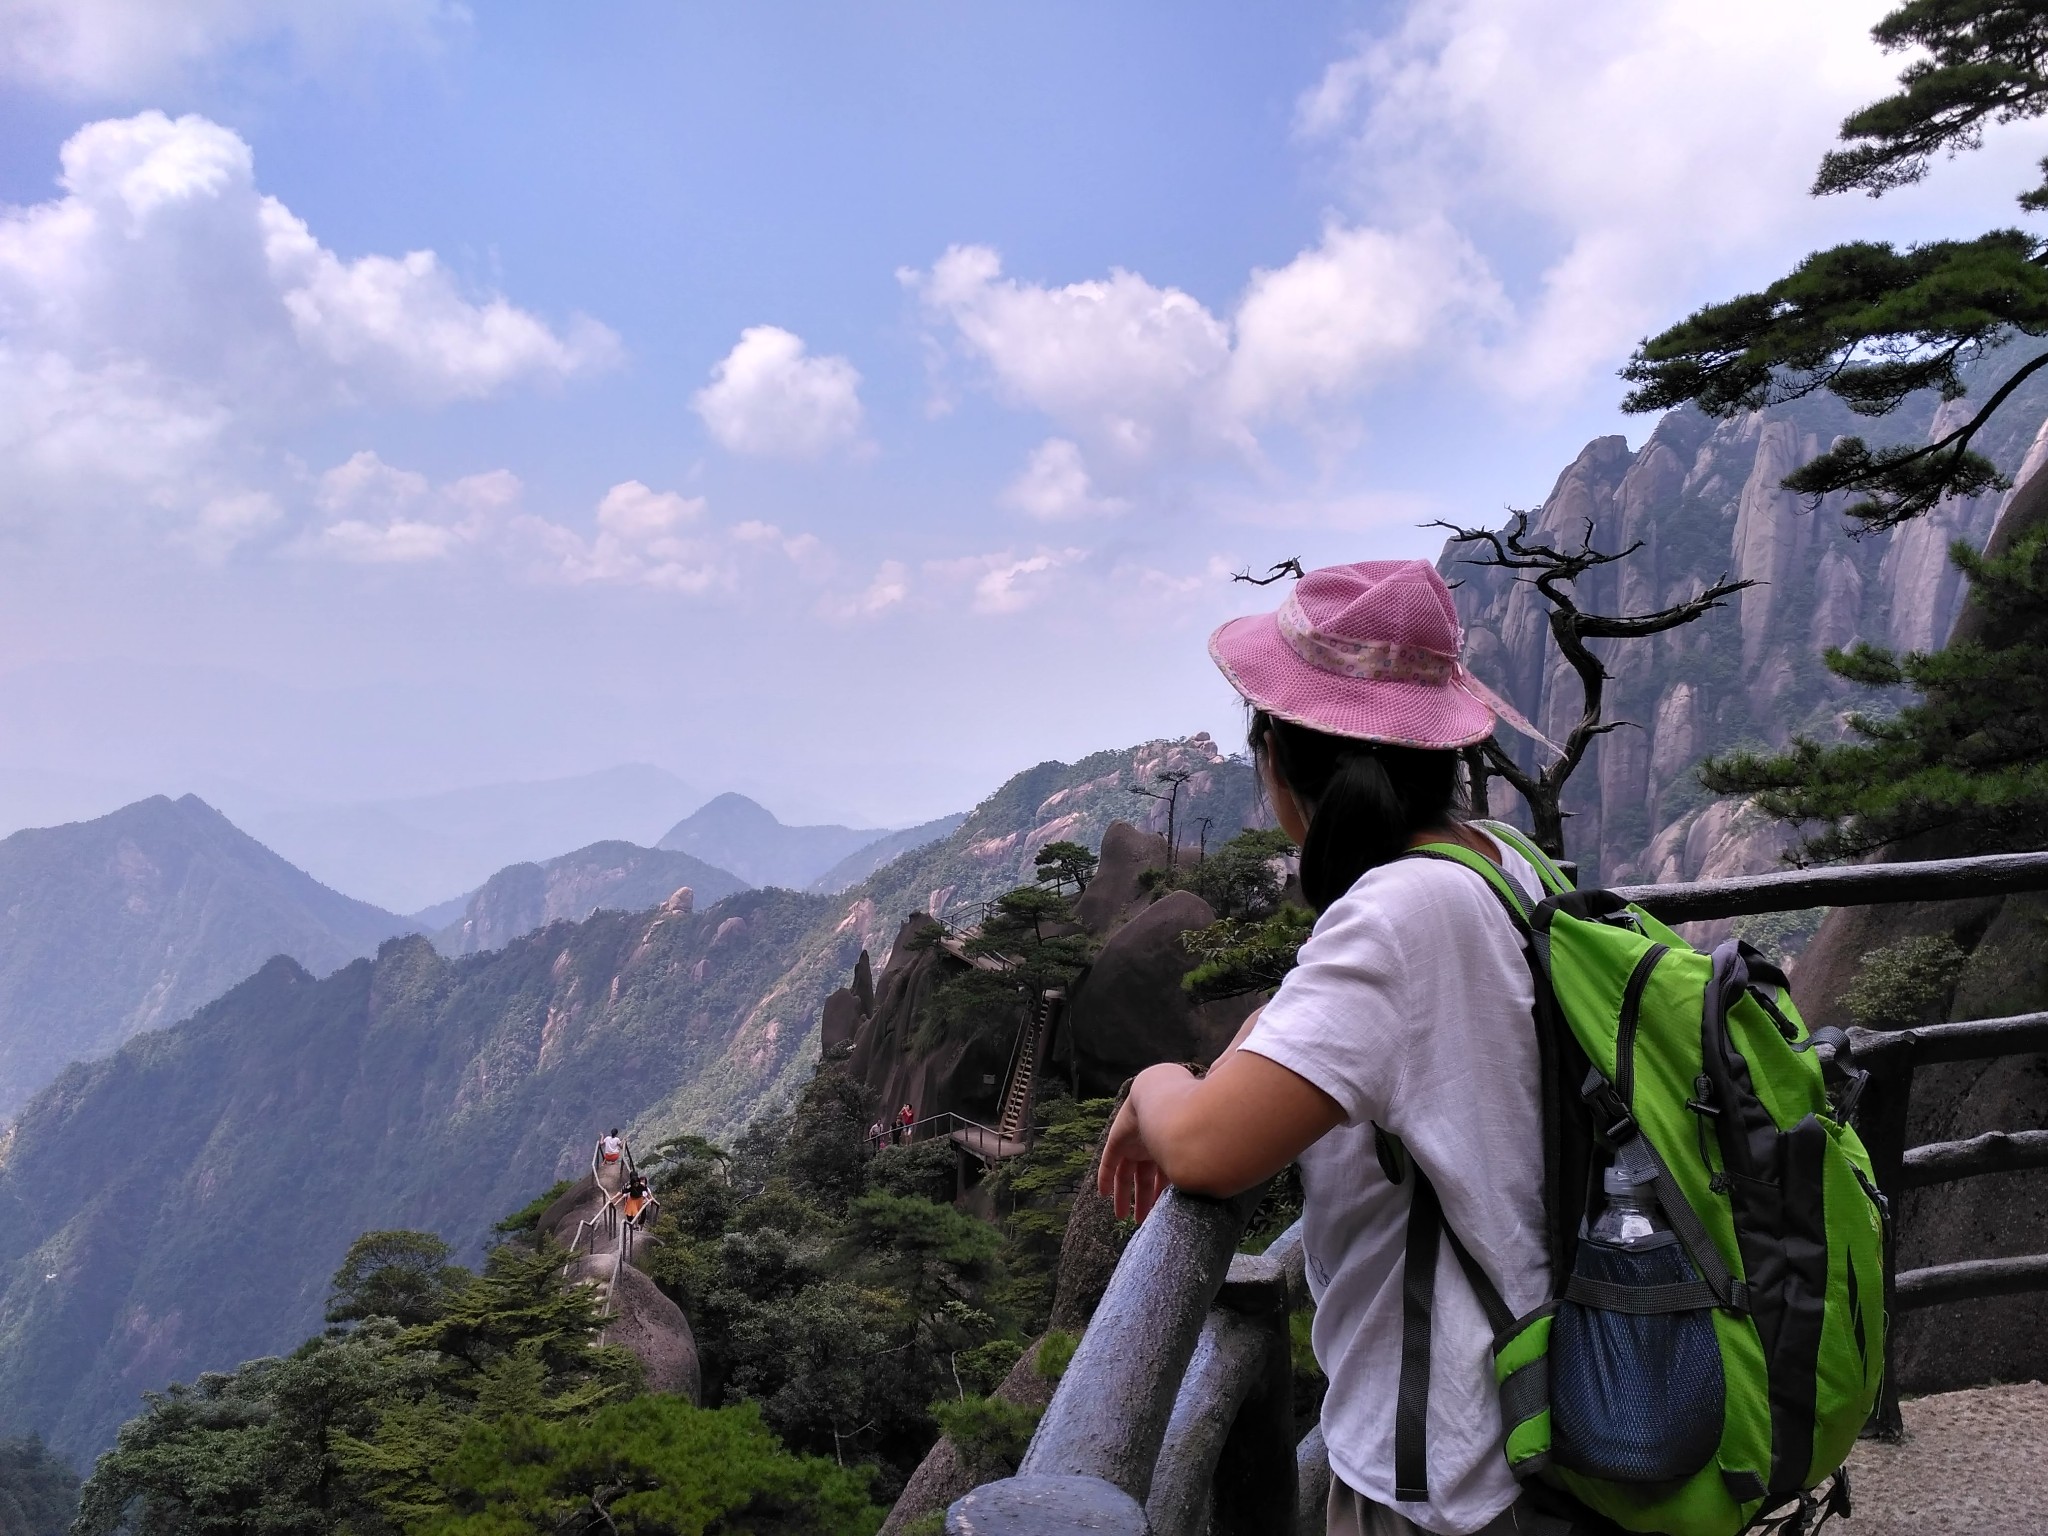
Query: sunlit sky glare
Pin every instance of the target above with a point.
(850, 405)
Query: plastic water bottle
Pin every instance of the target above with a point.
(1630, 1219)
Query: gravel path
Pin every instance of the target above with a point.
(1972, 1464)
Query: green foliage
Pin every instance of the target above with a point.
(254, 1450)
(655, 1466)
(1040, 1187)
(38, 1491)
(1872, 324)
(1969, 755)
(1056, 1353)
(1983, 66)
(925, 1169)
(1243, 878)
(1905, 983)
(1239, 955)
(990, 1433)
(404, 1276)
(527, 1217)
(1029, 944)
(1780, 935)
(1061, 864)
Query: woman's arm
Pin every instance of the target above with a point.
(1215, 1135)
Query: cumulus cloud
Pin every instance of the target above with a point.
(1004, 582)
(162, 317)
(1134, 369)
(1055, 484)
(379, 514)
(1647, 148)
(108, 47)
(769, 396)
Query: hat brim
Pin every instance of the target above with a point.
(1261, 666)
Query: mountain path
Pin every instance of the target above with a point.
(1972, 1463)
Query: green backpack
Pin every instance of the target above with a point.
(1701, 1383)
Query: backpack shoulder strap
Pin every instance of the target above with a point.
(1426, 1225)
(1554, 880)
(1504, 885)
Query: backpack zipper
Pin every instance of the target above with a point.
(1625, 1037)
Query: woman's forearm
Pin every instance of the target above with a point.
(1243, 1123)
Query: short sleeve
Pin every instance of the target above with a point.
(1337, 1020)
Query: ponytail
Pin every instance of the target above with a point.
(1364, 800)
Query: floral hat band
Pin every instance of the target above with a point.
(1371, 651)
(1383, 661)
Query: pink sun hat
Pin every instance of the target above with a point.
(1370, 651)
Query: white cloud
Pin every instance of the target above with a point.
(769, 396)
(1004, 582)
(380, 514)
(102, 47)
(888, 590)
(162, 318)
(1137, 371)
(1055, 485)
(1650, 150)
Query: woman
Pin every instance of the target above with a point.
(1409, 1011)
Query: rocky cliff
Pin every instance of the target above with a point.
(1703, 498)
(621, 877)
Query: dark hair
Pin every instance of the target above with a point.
(1364, 799)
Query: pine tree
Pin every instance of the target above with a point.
(1968, 758)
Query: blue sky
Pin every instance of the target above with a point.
(850, 405)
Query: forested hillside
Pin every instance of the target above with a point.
(178, 1206)
(131, 921)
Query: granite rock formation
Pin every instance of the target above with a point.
(1703, 498)
(638, 1316)
(620, 877)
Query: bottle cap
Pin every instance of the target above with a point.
(1616, 1181)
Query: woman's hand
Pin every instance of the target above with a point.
(1215, 1135)
(1129, 1176)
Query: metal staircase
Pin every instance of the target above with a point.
(1024, 1067)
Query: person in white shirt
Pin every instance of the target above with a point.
(1409, 1013)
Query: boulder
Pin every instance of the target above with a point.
(841, 1019)
(1114, 893)
(1129, 1010)
(639, 1316)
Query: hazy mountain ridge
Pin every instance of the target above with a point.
(410, 853)
(191, 1194)
(863, 862)
(732, 832)
(131, 921)
(616, 876)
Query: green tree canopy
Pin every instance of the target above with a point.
(655, 1466)
(1871, 323)
(1969, 757)
(1061, 864)
(405, 1276)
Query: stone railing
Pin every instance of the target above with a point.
(1175, 1417)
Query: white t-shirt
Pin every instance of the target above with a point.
(1411, 1006)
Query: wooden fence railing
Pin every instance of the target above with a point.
(1175, 1416)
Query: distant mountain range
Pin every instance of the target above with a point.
(734, 833)
(408, 853)
(191, 1193)
(131, 921)
(619, 877)
(862, 862)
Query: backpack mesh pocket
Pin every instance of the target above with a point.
(1635, 1397)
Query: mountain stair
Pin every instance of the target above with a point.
(1024, 1069)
